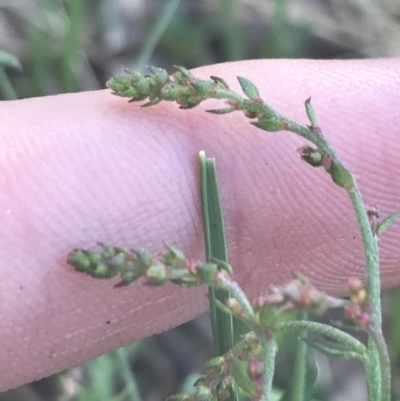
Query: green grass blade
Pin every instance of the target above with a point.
(72, 45)
(232, 31)
(214, 236)
(6, 88)
(128, 376)
(156, 34)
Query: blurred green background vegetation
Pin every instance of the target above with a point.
(57, 46)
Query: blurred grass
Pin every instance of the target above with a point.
(101, 383)
(68, 46)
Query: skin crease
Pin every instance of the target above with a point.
(88, 167)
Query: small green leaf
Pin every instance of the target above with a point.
(152, 102)
(383, 225)
(222, 265)
(271, 125)
(332, 349)
(182, 76)
(248, 88)
(340, 175)
(221, 111)
(184, 71)
(80, 260)
(221, 306)
(242, 379)
(157, 274)
(7, 60)
(202, 86)
(160, 74)
(122, 86)
(269, 315)
(138, 98)
(311, 113)
(208, 272)
(189, 104)
(170, 92)
(142, 85)
(219, 80)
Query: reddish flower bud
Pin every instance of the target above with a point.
(255, 368)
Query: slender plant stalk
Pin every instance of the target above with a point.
(300, 366)
(270, 348)
(215, 244)
(378, 342)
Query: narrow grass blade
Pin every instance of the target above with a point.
(214, 236)
(6, 88)
(127, 374)
(156, 34)
(72, 45)
(302, 385)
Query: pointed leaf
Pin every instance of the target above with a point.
(271, 125)
(248, 88)
(221, 111)
(221, 306)
(152, 102)
(219, 80)
(184, 71)
(340, 175)
(383, 225)
(7, 60)
(242, 379)
(332, 349)
(202, 86)
(311, 113)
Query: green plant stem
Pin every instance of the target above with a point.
(371, 252)
(156, 34)
(378, 366)
(373, 372)
(269, 349)
(300, 366)
(376, 349)
(378, 343)
(236, 292)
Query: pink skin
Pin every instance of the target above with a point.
(90, 167)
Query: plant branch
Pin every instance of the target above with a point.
(324, 329)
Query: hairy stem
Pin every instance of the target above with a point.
(270, 348)
(323, 329)
(379, 346)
